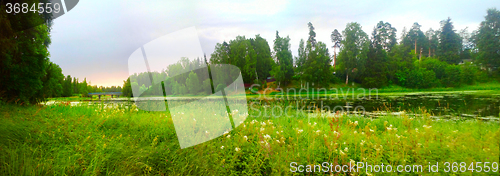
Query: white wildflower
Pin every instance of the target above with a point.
(266, 136)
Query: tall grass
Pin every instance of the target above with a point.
(122, 140)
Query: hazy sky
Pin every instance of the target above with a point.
(96, 38)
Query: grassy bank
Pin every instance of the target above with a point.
(99, 140)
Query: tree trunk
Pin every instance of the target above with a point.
(347, 78)
(334, 57)
(415, 46)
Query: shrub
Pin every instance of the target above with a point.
(453, 76)
(470, 73)
(420, 78)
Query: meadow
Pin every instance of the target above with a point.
(106, 139)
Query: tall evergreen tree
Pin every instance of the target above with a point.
(450, 44)
(488, 41)
(312, 35)
(283, 71)
(67, 87)
(336, 40)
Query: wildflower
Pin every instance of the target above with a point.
(228, 136)
(355, 132)
(266, 136)
(427, 127)
(221, 147)
(253, 121)
(278, 141)
(237, 149)
(356, 123)
(341, 153)
(317, 132)
(277, 132)
(299, 130)
(194, 119)
(362, 142)
(262, 129)
(206, 132)
(225, 132)
(246, 138)
(325, 135)
(352, 162)
(372, 130)
(263, 123)
(397, 136)
(346, 149)
(363, 133)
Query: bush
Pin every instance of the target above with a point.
(453, 76)
(437, 66)
(420, 78)
(470, 73)
(207, 87)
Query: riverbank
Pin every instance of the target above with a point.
(120, 140)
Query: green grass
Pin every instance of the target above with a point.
(121, 140)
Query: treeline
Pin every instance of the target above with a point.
(435, 58)
(182, 78)
(26, 73)
(71, 86)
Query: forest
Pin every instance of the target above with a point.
(445, 57)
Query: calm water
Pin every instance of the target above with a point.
(461, 105)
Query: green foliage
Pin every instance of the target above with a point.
(283, 71)
(355, 48)
(67, 87)
(450, 44)
(376, 66)
(251, 56)
(24, 57)
(207, 86)
(127, 88)
(193, 84)
(317, 66)
(122, 140)
(420, 78)
(488, 41)
(52, 81)
(453, 76)
(415, 40)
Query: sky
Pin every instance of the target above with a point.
(96, 38)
